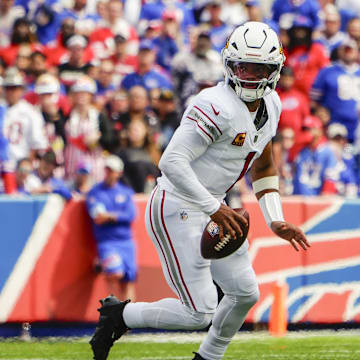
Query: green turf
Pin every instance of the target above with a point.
(337, 347)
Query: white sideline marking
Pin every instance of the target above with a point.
(27, 260)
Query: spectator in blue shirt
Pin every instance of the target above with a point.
(47, 182)
(315, 166)
(282, 9)
(153, 10)
(336, 88)
(345, 181)
(112, 210)
(165, 44)
(146, 75)
(331, 36)
(218, 31)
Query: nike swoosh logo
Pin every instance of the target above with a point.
(215, 112)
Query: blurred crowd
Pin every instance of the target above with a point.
(83, 79)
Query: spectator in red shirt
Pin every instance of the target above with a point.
(295, 108)
(305, 56)
(22, 35)
(116, 22)
(124, 63)
(295, 105)
(57, 52)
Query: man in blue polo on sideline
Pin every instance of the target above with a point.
(111, 207)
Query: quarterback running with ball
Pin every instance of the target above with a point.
(225, 131)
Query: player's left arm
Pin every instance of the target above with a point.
(265, 182)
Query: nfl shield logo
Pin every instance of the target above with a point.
(213, 229)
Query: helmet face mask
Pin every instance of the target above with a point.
(253, 59)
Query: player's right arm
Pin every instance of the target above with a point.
(189, 142)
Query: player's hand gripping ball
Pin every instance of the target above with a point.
(212, 247)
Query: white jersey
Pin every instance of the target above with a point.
(25, 130)
(218, 138)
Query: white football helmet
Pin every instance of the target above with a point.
(253, 43)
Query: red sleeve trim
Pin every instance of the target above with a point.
(208, 118)
(190, 118)
(203, 130)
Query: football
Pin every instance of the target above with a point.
(212, 247)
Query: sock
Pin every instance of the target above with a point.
(228, 318)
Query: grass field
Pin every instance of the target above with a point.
(248, 346)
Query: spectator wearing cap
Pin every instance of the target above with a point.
(331, 35)
(152, 29)
(48, 81)
(336, 88)
(23, 124)
(22, 36)
(195, 70)
(218, 30)
(81, 184)
(56, 52)
(305, 56)
(285, 10)
(124, 63)
(146, 75)
(75, 67)
(54, 108)
(88, 131)
(112, 211)
(165, 45)
(315, 166)
(167, 115)
(346, 182)
(48, 183)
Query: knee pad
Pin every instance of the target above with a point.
(245, 300)
(201, 320)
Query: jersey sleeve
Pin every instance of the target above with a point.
(94, 204)
(208, 117)
(185, 146)
(277, 108)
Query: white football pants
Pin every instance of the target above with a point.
(176, 227)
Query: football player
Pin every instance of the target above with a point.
(225, 131)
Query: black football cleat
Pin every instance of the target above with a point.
(198, 357)
(111, 326)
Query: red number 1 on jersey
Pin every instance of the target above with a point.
(248, 159)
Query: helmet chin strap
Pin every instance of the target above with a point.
(241, 91)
